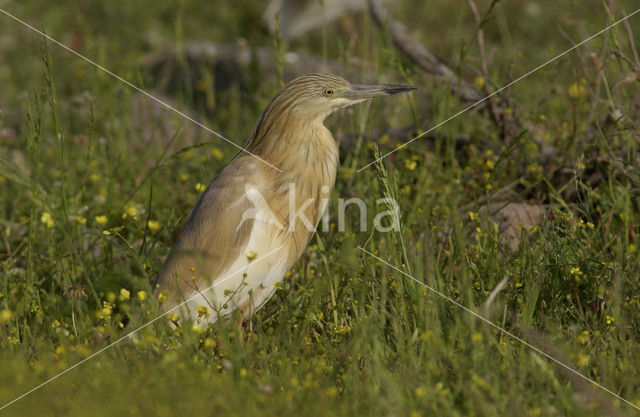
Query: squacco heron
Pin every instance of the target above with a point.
(247, 230)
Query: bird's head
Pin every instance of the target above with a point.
(315, 96)
(306, 101)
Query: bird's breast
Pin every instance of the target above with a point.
(252, 224)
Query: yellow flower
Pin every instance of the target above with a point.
(251, 255)
(46, 219)
(421, 392)
(203, 311)
(197, 329)
(217, 153)
(106, 310)
(583, 359)
(383, 139)
(131, 210)
(200, 188)
(410, 165)
(479, 81)
(60, 351)
(153, 225)
(124, 294)
(142, 295)
(81, 220)
(173, 317)
(162, 298)
(575, 270)
(576, 91)
(113, 231)
(209, 343)
(184, 176)
(101, 220)
(473, 216)
(55, 324)
(534, 168)
(6, 315)
(441, 389)
(583, 337)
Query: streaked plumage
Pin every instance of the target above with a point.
(241, 237)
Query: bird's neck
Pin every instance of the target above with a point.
(307, 156)
(297, 147)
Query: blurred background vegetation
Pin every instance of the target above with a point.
(524, 209)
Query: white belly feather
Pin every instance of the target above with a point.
(247, 283)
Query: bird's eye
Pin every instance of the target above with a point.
(328, 92)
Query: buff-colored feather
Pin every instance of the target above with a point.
(243, 235)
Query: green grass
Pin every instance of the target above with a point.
(95, 183)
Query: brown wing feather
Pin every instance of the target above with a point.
(209, 242)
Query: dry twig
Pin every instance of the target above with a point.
(503, 116)
(425, 59)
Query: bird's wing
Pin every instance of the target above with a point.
(217, 233)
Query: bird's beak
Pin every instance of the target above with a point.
(365, 92)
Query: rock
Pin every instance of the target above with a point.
(511, 218)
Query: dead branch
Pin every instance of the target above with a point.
(232, 64)
(503, 115)
(347, 140)
(425, 59)
(632, 45)
(484, 67)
